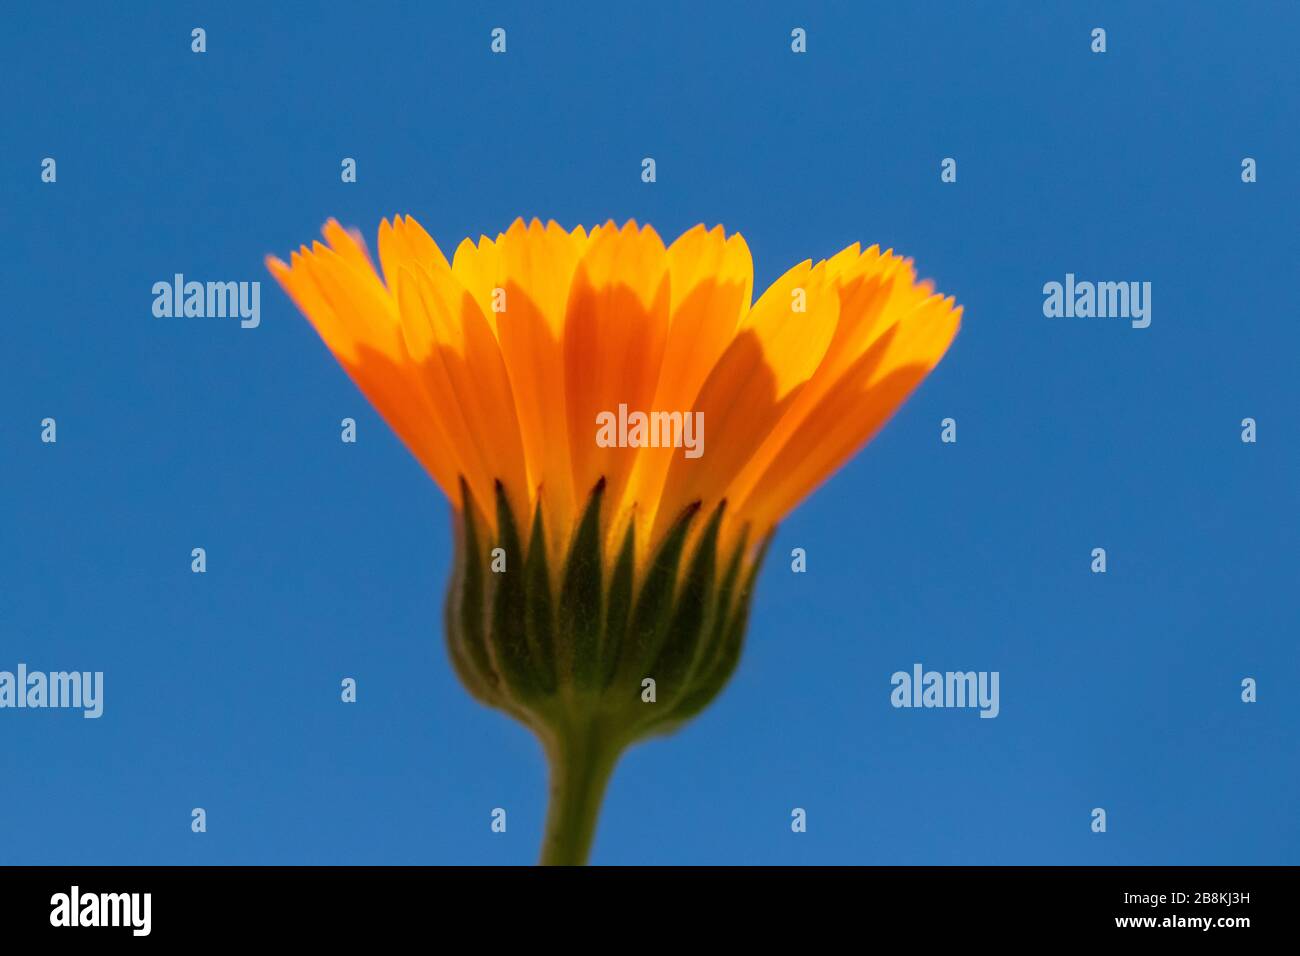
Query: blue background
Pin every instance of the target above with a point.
(328, 560)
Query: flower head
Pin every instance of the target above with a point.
(618, 425)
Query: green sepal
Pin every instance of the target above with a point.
(508, 635)
(540, 619)
(618, 606)
(580, 615)
(653, 607)
(452, 613)
(466, 606)
(727, 638)
(691, 609)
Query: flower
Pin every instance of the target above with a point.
(605, 551)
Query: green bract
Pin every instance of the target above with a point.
(567, 651)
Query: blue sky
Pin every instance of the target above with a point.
(328, 560)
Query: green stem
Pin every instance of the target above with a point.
(581, 764)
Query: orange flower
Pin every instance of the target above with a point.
(581, 397)
(587, 321)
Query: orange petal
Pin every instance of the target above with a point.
(711, 280)
(536, 265)
(371, 352)
(461, 368)
(854, 408)
(616, 325)
(756, 380)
